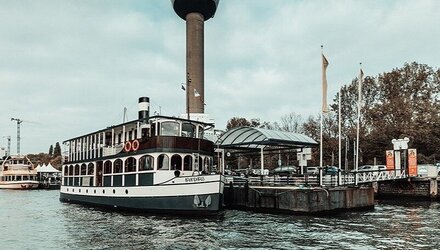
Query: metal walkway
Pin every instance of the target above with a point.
(347, 179)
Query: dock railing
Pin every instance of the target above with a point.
(312, 180)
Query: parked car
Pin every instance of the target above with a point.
(313, 170)
(284, 170)
(257, 172)
(331, 170)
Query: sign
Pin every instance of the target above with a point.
(412, 162)
(194, 179)
(390, 159)
(400, 144)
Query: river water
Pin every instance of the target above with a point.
(37, 220)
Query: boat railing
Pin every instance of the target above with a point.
(24, 169)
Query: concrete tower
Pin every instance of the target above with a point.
(195, 13)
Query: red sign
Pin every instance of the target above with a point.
(390, 159)
(412, 162)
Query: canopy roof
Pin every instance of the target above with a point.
(47, 169)
(256, 138)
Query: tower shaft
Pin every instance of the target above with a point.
(195, 90)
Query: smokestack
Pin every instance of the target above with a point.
(195, 13)
(144, 108)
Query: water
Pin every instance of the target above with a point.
(37, 220)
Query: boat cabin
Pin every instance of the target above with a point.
(139, 153)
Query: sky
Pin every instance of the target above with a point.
(68, 68)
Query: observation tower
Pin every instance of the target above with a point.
(195, 13)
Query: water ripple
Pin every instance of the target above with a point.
(37, 220)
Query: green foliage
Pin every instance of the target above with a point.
(402, 103)
(51, 150)
(397, 104)
(57, 150)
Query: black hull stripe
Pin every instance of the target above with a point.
(169, 205)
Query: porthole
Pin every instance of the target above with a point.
(79, 191)
(87, 191)
(126, 191)
(73, 190)
(114, 191)
(67, 190)
(94, 191)
(103, 191)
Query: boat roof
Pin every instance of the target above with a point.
(140, 120)
(255, 138)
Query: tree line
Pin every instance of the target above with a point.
(404, 102)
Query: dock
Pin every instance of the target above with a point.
(297, 199)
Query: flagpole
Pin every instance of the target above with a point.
(358, 120)
(324, 109)
(340, 142)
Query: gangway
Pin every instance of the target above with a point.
(312, 180)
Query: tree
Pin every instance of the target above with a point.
(51, 150)
(237, 122)
(291, 122)
(57, 150)
(396, 104)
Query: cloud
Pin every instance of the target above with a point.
(72, 66)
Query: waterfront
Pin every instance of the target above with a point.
(37, 220)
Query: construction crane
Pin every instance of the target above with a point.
(8, 153)
(19, 121)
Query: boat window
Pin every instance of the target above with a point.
(76, 169)
(169, 128)
(153, 129)
(66, 170)
(146, 163)
(83, 169)
(206, 164)
(163, 162)
(118, 166)
(200, 163)
(108, 167)
(18, 178)
(187, 163)
(176, 162)
(25, 177)
(90, 169)
(71, 170)
(201, 132)
(188, 130)
(130, 164)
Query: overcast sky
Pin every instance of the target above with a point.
(70, 67)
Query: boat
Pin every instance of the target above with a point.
(18, 172)
(156, 164)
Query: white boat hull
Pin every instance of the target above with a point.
(18, 184)
(181, 195)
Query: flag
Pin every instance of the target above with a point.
(361, 79)
(196, 94)
(183, 87)
(324, 84)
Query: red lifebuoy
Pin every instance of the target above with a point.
(127, 146)
(135, 145)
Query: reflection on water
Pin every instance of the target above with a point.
(37, 220)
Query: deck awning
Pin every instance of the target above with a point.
(257, 138)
